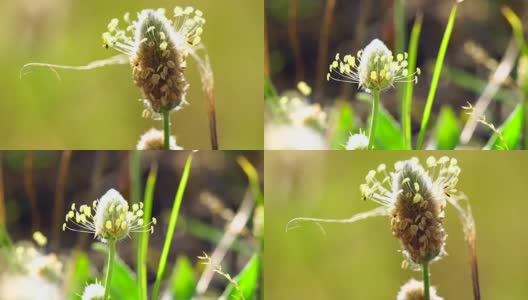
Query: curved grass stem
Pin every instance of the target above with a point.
(166, 130)
(425, 269)
(110, 266)
(373, 118)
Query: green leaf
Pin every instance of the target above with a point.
(517, 27)
(183, 283)
(78, 274)
(124, 285)
(436, 76)
(269, 89)
(510, 131)
(388, 132)
(247, 280)
(447, 129)
(342, 124)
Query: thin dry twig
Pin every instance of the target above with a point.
(294, 40)
(499, 76)
(470, 235)
(482, 120)
(323, 43)
(377, 212)
(218, 269)
(207, 78)
(64, 167)
(232, 231)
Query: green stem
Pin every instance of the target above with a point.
(166, 130)
(373, 118)
(110, 267)
(425, 269)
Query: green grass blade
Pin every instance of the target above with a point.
(447, 129)
(247, 281)
(252, 175)
(436, 76)
(269, 90)
(409, 86)
(144, 236)
(510, 131)
(517, 27)
(183, 282)
(172, 225)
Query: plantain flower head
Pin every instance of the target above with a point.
(109, 218)
(93, 291)
(158, 47)
(358, 141)
(414, 290)
(373, 68)
(416, 198)
(153, 140)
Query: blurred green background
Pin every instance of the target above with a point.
(361, 260)
(99, 109)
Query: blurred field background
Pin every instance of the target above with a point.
(361, 260)
(99, 109)
(37, 189)
(296, 50)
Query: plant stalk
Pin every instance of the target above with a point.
(110, 267)
(425, 269)
(373, 118)
(166, 130)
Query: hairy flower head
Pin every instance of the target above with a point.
(158, 47)
(358, 141)
(416, 198)
(373, 68)
(109, 218)
(414, 290)
(93, 291)
(153, 140)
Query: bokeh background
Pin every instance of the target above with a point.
(37, 189)
(361, 260)
(99, 109)
(295, 50)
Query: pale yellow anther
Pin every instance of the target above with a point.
(162, 35)
(327, 76)
(122, 216)
(399, 57)
(196, 40)
(163, 45)
(108, 224)
(199, 13)
(140, 222)
(382, 73)
(188, 10)
(418, 71)
(406, 55)
(124, 225)
(199, 31)
(352, 61)
(139, 213)
(388, 76)
(94, 203)
(154, 221)
(178, 11)
(151, 229)
(415, 79)
(151, 28)
(359, 53)
(73, 206)
(405, 72)
(373, 75)
(334, 64)
(111, 208)
(416, 187)
(64, 227)
(386, 67)
(404, 63)
(70, 215)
